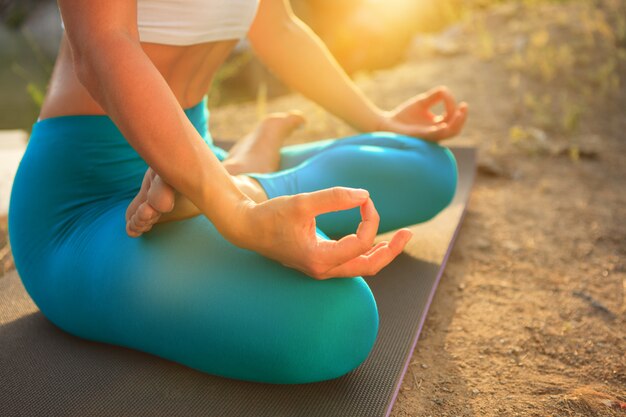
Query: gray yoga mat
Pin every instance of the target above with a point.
(47, 372)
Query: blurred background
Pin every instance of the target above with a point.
(364, 35)
(579, 50)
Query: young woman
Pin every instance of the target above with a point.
(129, 226)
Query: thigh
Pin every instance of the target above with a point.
(294, 155)
(409, 180)
(184, 293)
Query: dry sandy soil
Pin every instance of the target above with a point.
(530, 317)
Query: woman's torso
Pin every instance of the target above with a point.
(187, 40)
(79, 173)
(188, 70)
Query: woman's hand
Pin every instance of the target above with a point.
(414, 117)
(283, 229)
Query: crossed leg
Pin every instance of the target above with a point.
(410, 180)
(259, 151)
(205, 303)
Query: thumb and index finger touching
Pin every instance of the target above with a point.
(332, 199)
(451, 121)
(356, 245)
(441, 94)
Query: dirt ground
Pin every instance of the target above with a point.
(530, 316)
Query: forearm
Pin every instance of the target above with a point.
(123, 80)
(185, 209)
(299, 58)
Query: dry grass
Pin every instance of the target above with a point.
(6, 260)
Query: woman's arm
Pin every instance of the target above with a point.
(292, 51)
(110, 63)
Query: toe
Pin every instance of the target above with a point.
(130, 231)
(131, 228)
(161, 196)
(281, 125)
(296, 118)
(146, 213)
(135, 203)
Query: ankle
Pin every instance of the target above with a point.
(250, 187)
(233, 167)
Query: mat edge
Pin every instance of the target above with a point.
(431, 296)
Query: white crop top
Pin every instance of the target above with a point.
(187, 22)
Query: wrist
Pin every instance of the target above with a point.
(239, 224)
(379, 122)
(226, 208)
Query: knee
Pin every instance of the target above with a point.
(445, 176)
(335, 334)
(436, 173)
(431, 165)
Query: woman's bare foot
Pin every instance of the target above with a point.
(158, 202)
(154, 199)
(259, 151)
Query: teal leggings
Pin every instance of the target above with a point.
(181, 291)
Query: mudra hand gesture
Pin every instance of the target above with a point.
(415, 118)
(284, 230)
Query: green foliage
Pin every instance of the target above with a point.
(227, 72)
(36, 94)
(41, 69)
(566, 63)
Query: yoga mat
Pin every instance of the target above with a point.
(47, 372)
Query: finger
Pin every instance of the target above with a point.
(370, 219)
(438, 94)
(367, 265)
(377, 259)
(450, 105)
(375, 247)
(328, 200)
(456, 124)
(460, 122)
(401, 238)
(448, 129)
(336, 252)
(433, 133)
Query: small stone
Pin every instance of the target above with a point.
(475, 391)
(489, 167)
(424, 366)
(510, 245)
(517, 175)
(482, 243)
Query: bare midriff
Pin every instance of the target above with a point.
(188, 70)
